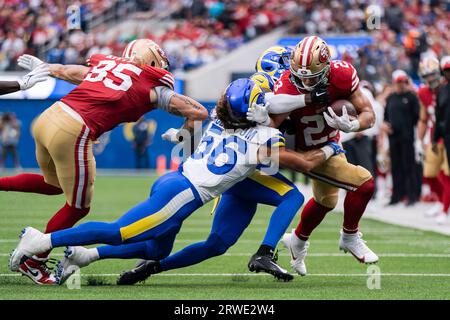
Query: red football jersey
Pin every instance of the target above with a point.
(114, 91)
(428, 98)
(312, 129)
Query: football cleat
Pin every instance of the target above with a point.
(37, 270)
(353, 243)
(267, 264)
(31, 242)
(441, 218)
(74, 259)
(298, 250)
(435, 210)
(140, 273)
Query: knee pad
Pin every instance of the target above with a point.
(327, 200)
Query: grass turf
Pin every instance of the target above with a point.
(414, 264)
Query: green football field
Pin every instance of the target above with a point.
(414, 264)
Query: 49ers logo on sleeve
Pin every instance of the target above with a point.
(324, 54)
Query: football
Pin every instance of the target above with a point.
(339, 104)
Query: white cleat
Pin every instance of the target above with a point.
(441, 218)
(298, 249)
(435, 210)
(353, 243)
(74, 259)
(31, 242)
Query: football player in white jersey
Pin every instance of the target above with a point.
(231, 149)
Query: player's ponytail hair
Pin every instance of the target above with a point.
(228, 119)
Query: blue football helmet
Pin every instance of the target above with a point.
(240, 96)
(263, 80)
(274, 61)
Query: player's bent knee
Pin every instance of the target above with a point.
(295, 197)
(367, 188)
(328, 201)
(216, 245)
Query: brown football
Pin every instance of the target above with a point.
(337, 108)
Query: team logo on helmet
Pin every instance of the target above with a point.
(324, 55)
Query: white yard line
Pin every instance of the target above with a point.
(322, 254)
(313, 241)
(260, 274)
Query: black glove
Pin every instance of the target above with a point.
(320, 95)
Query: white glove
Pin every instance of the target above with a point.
(342, 123)
(37, 75)
(29, 62)
(418, 151)
(259, 113)
(171, 135)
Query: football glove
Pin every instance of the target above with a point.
(259, 113)
(172, 135)
(29, 62)
(342, 123)
(320, 95)
(37, 75)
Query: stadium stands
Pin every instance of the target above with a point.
(199, 32)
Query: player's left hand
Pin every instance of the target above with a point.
(172, 135)
(29, 62)
(259, 113)
(342, 123)
(37, 75)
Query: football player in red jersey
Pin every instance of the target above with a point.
(434, 163)
(311, 69)
(111, 90)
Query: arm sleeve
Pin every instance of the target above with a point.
(282, 103)
(164, 94)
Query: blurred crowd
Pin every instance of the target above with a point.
(202, 31)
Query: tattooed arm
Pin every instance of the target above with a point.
(178, 104)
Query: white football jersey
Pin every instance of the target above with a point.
(225, 157)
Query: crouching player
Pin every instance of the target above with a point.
(148, 230)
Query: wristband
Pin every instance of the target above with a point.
(328, 151)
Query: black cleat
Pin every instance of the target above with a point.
(141, 272)
(267, 264)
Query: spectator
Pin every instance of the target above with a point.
(142, 140)
(9, 135)
(401, 116)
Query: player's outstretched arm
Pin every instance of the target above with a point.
(301, 162)
(70, 73)
(178, 104)
(9, 87)
(39, 74)
(366, 115)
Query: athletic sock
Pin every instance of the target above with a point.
(436, 186)
(445, 192)
(265, 250)
(355, 204)
(312, 215)
(65, 218)
(28, 182)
